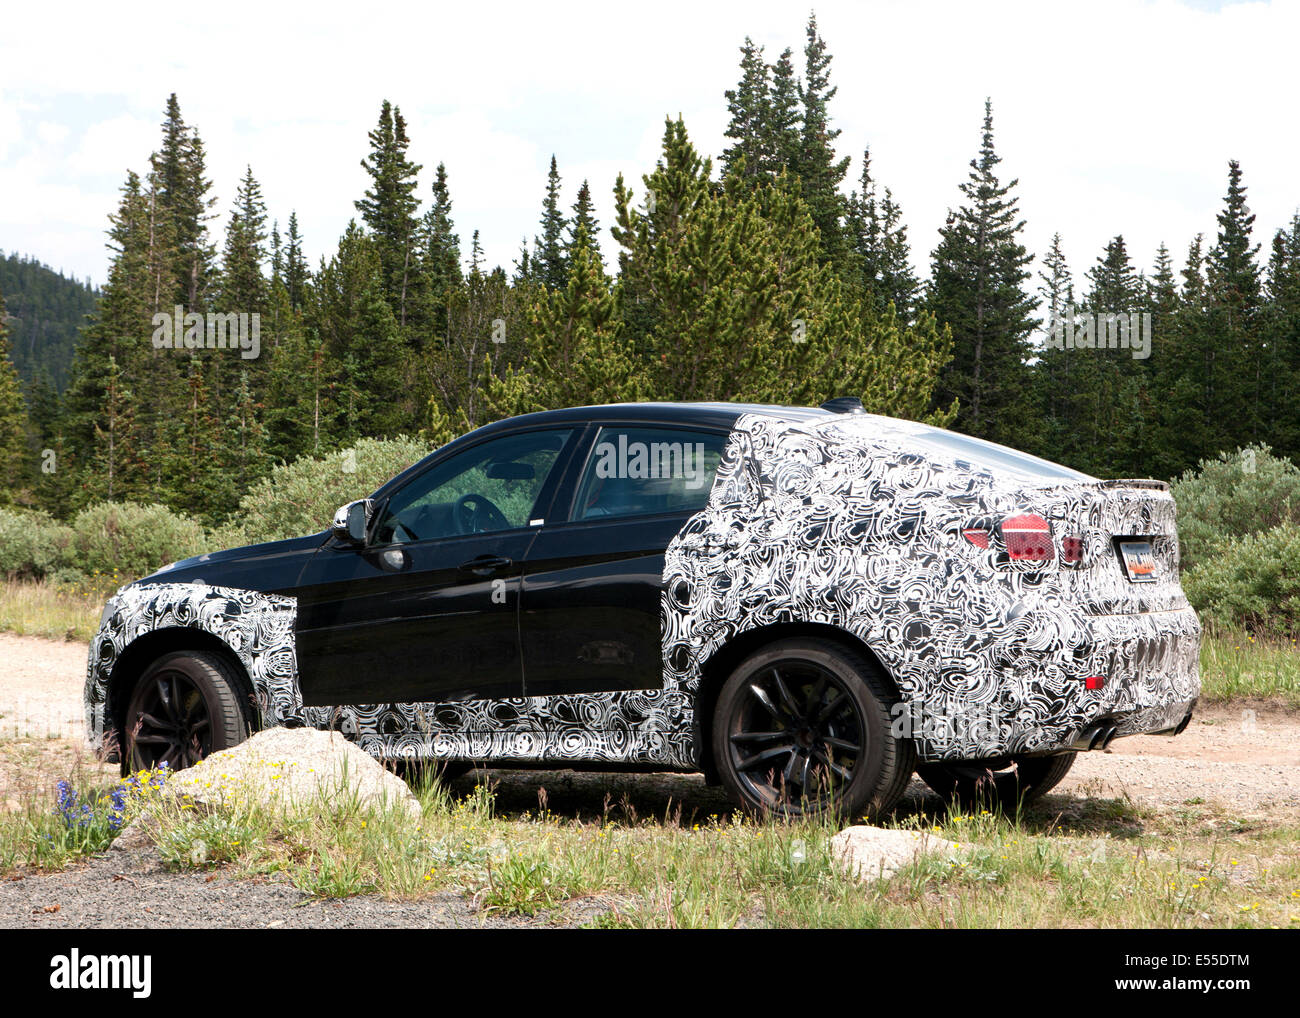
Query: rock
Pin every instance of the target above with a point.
(869, 853)
(134, 837)
(283, 767)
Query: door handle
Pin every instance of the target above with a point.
(485, 565)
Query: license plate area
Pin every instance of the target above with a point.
(1138, 560)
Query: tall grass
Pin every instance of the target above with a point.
(56, 611)
(1239, 665)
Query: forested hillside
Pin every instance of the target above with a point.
(765, 273)
(46, 312)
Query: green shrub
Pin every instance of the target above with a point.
(130, 540)
(300, 497)
(31, 544)
(1251, 582)
(1239, 493)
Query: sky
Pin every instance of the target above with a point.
(1115, 115)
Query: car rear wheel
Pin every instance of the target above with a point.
(802, 727)
(1007, 783)
(186, 706)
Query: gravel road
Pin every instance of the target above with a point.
(1242, 759)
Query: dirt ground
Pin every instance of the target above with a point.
(1244, 755)
(1239, 760)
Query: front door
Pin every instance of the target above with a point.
(427, 610)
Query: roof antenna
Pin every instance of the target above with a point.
(844, 405)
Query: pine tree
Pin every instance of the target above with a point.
(193, 479)
(977, 288)
(295, 265)
(115, 459)
(748, 104)
(820, 173)
(779, 127)
(487, 325)
(549, 249)
(1115, 430)
(584, 223)
(441, 249)
(389, 209)
(879, 245)
(246, 457)
(52, 476)
(1282, 331)
(1162, 291)
(1055, 437)
(13, 419)
(574, 353)
(116, 337)
(1238, 358)
(184, 209)
(244, 287)
(362, 342)
(737, 303)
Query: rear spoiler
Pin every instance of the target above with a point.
(1144, 482)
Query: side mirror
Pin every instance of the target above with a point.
(351, 521)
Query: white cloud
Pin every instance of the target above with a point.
(1118, 115)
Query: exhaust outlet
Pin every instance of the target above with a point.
(1094, 737)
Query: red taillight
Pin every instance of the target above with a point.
(1071, 550)
(979, 538)
(1094, 681)
(1028, 538)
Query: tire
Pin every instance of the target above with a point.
(186, 706)
(1018, 780)
(801, 728)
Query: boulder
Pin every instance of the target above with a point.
(284, 767)
(871, 853)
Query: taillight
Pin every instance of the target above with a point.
(1071, 550)
(1027, 538)
(979, 538)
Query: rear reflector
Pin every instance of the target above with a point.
(1071, 550)
(1094, 682)
(1028, 538)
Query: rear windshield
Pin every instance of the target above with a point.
(998, 460)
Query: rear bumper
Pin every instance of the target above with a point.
(1027, 694)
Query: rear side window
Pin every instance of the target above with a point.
(647, 471)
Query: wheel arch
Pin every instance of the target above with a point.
(148, 648)
(719, 666)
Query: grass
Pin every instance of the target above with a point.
(1068, 863)
(54, 611)
(1238, 665)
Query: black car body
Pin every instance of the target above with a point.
(802, 601)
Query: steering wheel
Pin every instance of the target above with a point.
(476, 514)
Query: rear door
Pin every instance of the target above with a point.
(592, 578)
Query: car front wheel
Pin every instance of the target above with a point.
(185, 706)
(802, 727)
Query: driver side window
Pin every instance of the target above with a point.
(490, 487)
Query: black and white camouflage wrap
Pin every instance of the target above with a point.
(839, 521)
